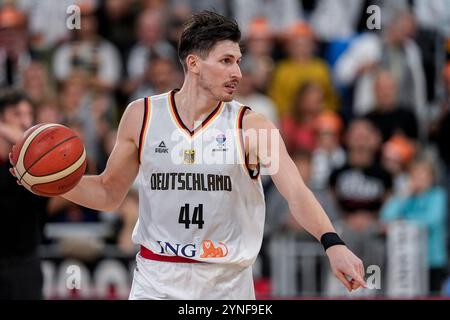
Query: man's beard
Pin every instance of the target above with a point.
(218, 97)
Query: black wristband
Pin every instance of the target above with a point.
(330, 239)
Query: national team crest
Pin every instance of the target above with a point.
(221, 138)
(189, 156)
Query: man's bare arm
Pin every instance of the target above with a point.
(303, 205)
(106, 191)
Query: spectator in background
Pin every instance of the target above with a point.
(395, 51)
(248, 95)
(175, 20)
(433, 28)
(259, 44)
(300, 67)
(440, 128)
(72, 92)
(328, 153)
(334, 20)
(116, 22)
(88, 109)
(336, 23)
(48, 111)
(14, 54)
(304, 161)
(360, 188)
(155, 5)
(37, 82)
(434, 15)
(22, 212)
(361, 185)
(219, 6)
(397, 154)
(47, 25)
(279, 13)
(279, 217)
(88, 52)
(80, 110)
(425, 204)
(151, 42)
(388, 115)
(297, 127)
(161, 75)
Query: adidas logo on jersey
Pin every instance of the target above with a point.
(162, 148)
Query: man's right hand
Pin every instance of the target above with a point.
(11, 170)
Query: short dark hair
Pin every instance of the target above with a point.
(9, 98)
(202, 31)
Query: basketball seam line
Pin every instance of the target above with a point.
(25, 152)
(49, 194)
(53, 148)
(53, 173)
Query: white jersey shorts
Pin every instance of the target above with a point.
(157, 280)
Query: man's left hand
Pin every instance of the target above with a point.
(347, 267)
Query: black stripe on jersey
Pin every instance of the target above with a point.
(181, 123)
(144, 123)
(254, 174)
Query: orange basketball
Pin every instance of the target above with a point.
(49, 160)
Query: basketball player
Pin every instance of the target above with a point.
(200, 224)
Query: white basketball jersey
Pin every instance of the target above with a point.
(197, 199)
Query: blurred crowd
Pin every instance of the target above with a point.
(361, 98)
